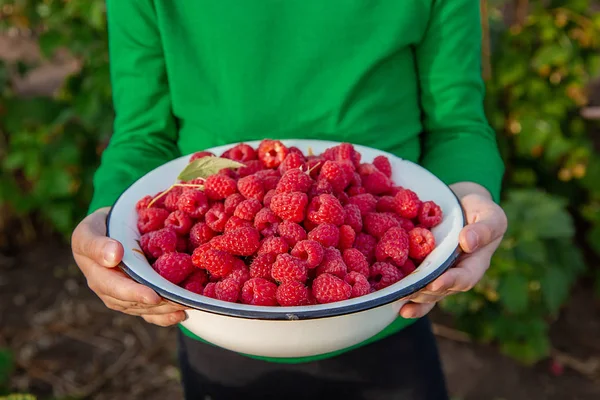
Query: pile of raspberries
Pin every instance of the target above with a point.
(288, 229)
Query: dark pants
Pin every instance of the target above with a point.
(403, 366)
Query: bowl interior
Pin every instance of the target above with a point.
(122, 226)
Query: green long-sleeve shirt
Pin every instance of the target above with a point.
(402, 76)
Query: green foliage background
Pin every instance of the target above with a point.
(542, 65)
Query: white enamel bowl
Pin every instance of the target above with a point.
(291, 331)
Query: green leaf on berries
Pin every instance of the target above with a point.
(205, 167)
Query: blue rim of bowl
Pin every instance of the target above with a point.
(288, 313)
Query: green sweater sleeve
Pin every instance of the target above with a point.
(145, 135)
(459, 144)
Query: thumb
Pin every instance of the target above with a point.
(483, 232)
(89, 240)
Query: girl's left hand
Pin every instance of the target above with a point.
(479, 240)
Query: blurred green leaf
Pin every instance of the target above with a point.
(6, 366)
(513, 293)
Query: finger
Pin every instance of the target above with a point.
(413, 310)
(421, 297)
(114, 283)
(133, 308)
(487, 222)
(165, 320)
(89, 240)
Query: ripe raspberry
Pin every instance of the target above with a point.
(200, 234)
(232, 202)
(386, 204)
(366, 169)
(193, 202)
(268, 173)
(209, 290)
(383, 164)
(182, 245)
(384, 274)
(240, 272)
(290, 206)
(268, 197)
(360, 284)
(270, 182)
(261, 266)
(294, 180)
(321, 186)
(160, 242)
(308, 225)
(366, 244)
(293, 160)
(218, 263)
(218, 187)
(366, 202)
(275, 245)
(272, 153)
(355, 191)
(356, 261)
(228, 173)
(430, 214)
(329, 288)
(406, 224)
(174, 267)
(314, 166)
(251, 187)
(353, 217)
(343, 152)
(227, 290)
(259, 292)
(180, 222)
(240, 242)
(296, 150)
(326, 209)
(326, 234)
(393, 246)
(287, 268)
(172, 198)
(196, 281)
(332, 263)
(201, 154)
(408, 267)
(421, 242)
(376, 183)
(407, 203)
(248, 209)
(216, 218)
(342, 198)
(309, 251)
(291, 232)
(151, 219)
(266, 221)
(377, 224)
(333, 172)
(291, 294)
(250, 168)
(143, 203)
(347, 237)
(234, 223)
(242, 152)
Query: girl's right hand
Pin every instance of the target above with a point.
(98, 257)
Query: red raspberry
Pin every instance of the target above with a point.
(360, 284)
(240, 272)
(353, 217)
(407, 203)
(259, 292)
(332, 263)
(234, 223)
(393, 246)
(227, 290)
(383, 164)
(268, 173)
(406, 224)
(292, 294)
(343, 152)
(275, 245)
(366, 169)
(242, 152)
(421, 242)
(290, 206)
(261, 266)
(296, 150)
(329, 288)
(377, 224)
(159, 202)
(196, 281)
(266, 220)
(151, 219)
(386, 204)
(143, 203)
(172, 198)
(201, 154)
(160, 242)
(200, 234)
(291, 232)
(293, 160)
(228, 173)
(240, 242)
(272, 153)
(232, 202)
(408, 267)
(182, 245)
(356, 261)
(343, 198)
(209, 290)
(308, 225)
(309, 251)
(270, 182)
(248, 209)
(355, 191)
(376, 183)
(180, 222)
(366, 244)
(216, 218)
(252, 187)
(326, 234)
(218, 263)
(193, 202)
(394, 190)
(294, 180)
(326, 209)
(268, 197)
(366, 203)
(174, 267)
(347, 237)
(384, 274)
(333, 172)
(321, 186)
(314, 166)
(287, 268)
(218, 187)
(250, 168)
(430, 214)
